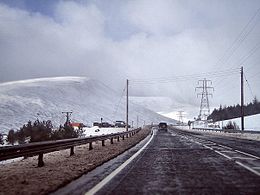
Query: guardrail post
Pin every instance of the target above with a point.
(71, 150)
(118, 138)
(111, 140)
(103, 142)
(123, 137)
(126, 136)
(40, 160)
(90, 146)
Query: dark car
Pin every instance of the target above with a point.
(163, 126)
(120, 124)
(105, 124)
(96, 124)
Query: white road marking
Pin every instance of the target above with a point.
(248, 168)
(223, 155)
(101, 184)
(210, 144)
(243, 158)
(207, 147)
(207, 144)
(248, 154)
(228, 151)
(225, 147)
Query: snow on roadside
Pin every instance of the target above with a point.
(95, 131)
(249, 136)
(252, 122)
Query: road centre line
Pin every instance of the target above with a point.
(225, 147)
(223, 155)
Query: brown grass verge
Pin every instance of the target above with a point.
(24, 177)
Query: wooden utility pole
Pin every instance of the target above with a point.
(127, 83)
(68, 114)
(242, 99)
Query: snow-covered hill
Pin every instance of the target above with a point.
(47, 98)
(157, 104)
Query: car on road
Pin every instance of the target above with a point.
(162, 126)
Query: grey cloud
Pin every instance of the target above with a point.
(136, 40)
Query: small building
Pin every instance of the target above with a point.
(77, 125)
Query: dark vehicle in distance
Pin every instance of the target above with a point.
(105, 124)
(162, 126)
(96, 124)
(120, 124)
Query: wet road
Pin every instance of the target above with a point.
(246, 145)
(177, 163)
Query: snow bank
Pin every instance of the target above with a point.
(250, 136)
(95, 131)
(251, 122)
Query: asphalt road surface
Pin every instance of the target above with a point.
(178, 162)
(183, 163)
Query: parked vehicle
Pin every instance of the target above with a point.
(96, 124)
(105, 124)
(120, 124)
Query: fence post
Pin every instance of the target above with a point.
(118, 138)
(40, 160)
(111, 140)
(123, 137)
(90, 146)
(71, 150)
(103, 142)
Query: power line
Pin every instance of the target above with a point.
(185, 77)
(251, 52)
(117, 106)
(240, 38)
(250, 89)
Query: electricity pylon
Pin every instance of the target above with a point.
(204, 103)
(180, 115)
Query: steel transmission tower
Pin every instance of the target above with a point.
(180, 116)
(204, 93)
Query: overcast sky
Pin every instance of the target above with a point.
(136, 39)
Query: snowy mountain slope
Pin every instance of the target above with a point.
(157, 104)
(46, 98)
